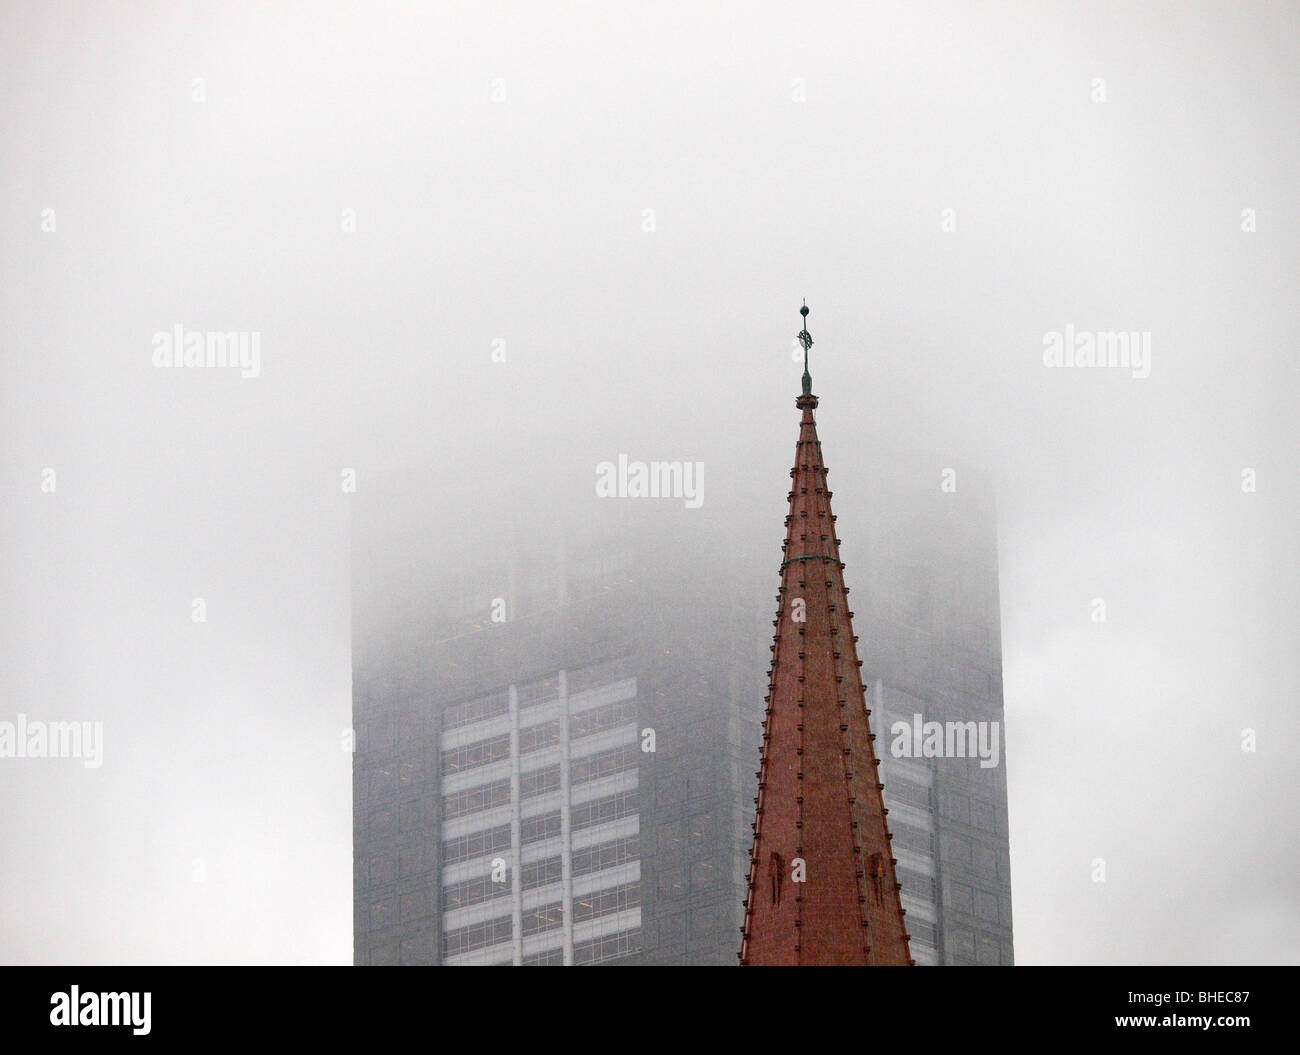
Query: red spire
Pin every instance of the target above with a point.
(822, 888)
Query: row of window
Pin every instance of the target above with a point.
(981, 948)
(543, 826)
(605, 855)
(495, 704)
(599, 719)
(479, 753)
(476, 844)
(962, 851)
(477, 935)
(549, 958)
(536, 737)
(492, 705)
(922, 931)
(975, 902)
(909, 837)
(604, 763)
(540, 920)
(606, 902)
(546, 825)
(473, 891)
(471, 800)
(916, 885)
(600, 811)
(540, 873)
(607, 947)
(969, 810)
(900, 789)
(539, 782)
(543, 918)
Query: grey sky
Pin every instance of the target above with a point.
(500, 162)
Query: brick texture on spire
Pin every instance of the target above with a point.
(822, 888)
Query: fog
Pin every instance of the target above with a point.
(485, 248)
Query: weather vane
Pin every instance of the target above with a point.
(805, 338)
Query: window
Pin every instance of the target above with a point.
(909, 792)
(543, 918)
(605, 855)
(534, 829)
(479, 753)
(476, 844)
(608, 947)
(922, 931)
(536, 737)
(477, 936)
(910, 837)
(549, 958)
(539, 782)
(602, 718)
(916, 885)
(606, 902)
(539, 873)
(471, 800)
(492, 705)
(603, 764)
(598, 811)
(473, 891)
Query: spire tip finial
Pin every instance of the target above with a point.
(805, 338)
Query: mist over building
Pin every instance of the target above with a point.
(558, 705)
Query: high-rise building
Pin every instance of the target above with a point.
(564, 786)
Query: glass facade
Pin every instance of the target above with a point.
(520, 882)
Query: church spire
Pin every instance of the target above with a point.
(822, 888)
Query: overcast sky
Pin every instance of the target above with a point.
(630, 201)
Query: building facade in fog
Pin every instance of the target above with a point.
(564, 786)
(556, 745)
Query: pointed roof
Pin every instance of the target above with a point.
(822, 887)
